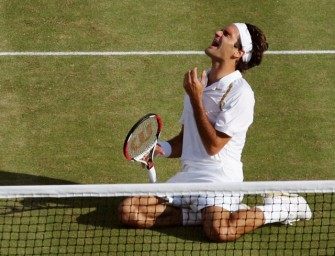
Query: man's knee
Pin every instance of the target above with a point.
(123, 212)
(127, 212)
(218, 225)
(221, 234)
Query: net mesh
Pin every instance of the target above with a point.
(83, 220)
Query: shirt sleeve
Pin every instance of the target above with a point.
(237, 113)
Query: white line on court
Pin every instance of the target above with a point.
(298, 52)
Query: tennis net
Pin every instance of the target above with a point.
(83, 220)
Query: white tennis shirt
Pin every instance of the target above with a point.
(233, 118)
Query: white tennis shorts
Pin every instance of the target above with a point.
(229, 202)
(192, 205)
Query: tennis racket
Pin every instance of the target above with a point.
(140, 143)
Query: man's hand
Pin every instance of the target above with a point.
(158, 151)
(193, 86)
(212, 140)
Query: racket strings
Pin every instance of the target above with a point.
(143, 138)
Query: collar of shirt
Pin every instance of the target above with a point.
(224, 82)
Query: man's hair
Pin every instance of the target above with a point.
(259, 46)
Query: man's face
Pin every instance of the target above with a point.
(223, 44)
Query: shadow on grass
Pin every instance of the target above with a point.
(92, 211)
(18, 179)
(96, 211)
(106, 216)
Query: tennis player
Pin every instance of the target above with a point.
(218, 110)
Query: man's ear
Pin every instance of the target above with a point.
(238, 54)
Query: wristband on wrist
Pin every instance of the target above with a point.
(166, 146)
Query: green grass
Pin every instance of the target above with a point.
(63, 119)
(292, 138)
(87, 227)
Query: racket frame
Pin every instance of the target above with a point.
(151, 149)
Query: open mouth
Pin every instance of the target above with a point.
(216, 43)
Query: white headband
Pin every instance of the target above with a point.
(245, 40)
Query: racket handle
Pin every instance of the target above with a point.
(152, 174)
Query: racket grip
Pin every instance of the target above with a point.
(152, 174)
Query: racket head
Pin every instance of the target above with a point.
(142, 137)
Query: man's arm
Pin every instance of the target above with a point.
(212, 140)
(176, 144)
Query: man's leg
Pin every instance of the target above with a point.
(221, 225)
(146, 212)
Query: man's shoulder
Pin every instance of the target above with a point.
(242, 87)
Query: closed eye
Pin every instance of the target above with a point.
(225, 33)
